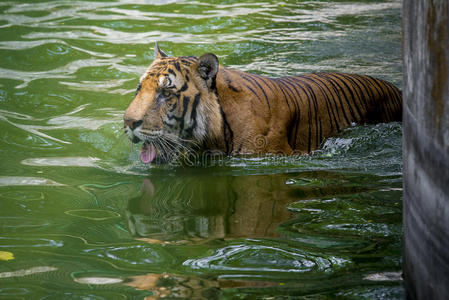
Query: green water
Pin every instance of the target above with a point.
(82, 218)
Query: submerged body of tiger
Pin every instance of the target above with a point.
(189, 103)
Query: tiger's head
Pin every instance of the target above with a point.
(175, 107)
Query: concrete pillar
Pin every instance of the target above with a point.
(426, 148)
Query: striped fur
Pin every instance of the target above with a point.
(186, 101)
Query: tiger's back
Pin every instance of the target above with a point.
(311, 107)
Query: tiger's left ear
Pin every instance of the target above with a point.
(207, 68)
(158, 53)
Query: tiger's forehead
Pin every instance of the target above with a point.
(167, 72)
(168, 81)
(160, 70)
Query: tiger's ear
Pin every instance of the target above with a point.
(207, 68)
(158, 53)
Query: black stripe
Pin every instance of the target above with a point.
(295, 101)
(294, 85)
(285, 98)
(139, 87)
(365, 83)
(185, 104)
(229, 81)
(326, 99)
(185, 61)
(228, 133)
(353, 98)
(195, 106)
(168, 124)
(375, 84)
(362, 99)
(315, 106)
(189, 131)
(177, 66)
(254, 81)
(392, 90)
(396, 101)
(213, 83)
(355, 80)
(191, 59)
(337, 88)
(183, 88)
(267, 81)
(253, 92)
(390, 100)
(175, 105)
(398, 97)
(295, 120)
(232, 88)
(168, 85)
(310, 98)
(290, 136)
(322, 83)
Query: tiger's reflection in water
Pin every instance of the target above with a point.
(186, 209)
(170, 286)
(196, 209)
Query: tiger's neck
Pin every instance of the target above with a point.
(210, 117)
(252, 119)
(236, 114)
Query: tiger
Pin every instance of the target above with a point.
(190, 104)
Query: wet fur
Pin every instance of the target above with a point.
(216, 108)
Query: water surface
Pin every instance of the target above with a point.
(82, 218)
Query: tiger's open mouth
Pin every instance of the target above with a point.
(160, 148)
(148, 153)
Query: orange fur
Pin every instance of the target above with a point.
(217, 108)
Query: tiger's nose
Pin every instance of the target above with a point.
(133, 124)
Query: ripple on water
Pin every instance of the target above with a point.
(32, 135)
(62, 161)
(93, 214)
(141, 257)
(25, 196)
(13, 291)
(77, 294)
(21, 223)
(26, 242)
(27, 181)
(21, 273)
(265, 259)
(354, 223)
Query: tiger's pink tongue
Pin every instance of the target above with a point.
(147, 154)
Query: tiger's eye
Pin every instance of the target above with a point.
(166, 93)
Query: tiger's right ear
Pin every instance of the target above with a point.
(207, 67)
(158, 53)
